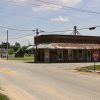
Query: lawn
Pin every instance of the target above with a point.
(88, 68)
(26, 58)
(3, 97)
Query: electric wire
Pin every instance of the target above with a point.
(63, 6)
(77, 9)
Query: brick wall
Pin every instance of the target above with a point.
(67, 39)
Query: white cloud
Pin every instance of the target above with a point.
(60, 19)
(48, 6)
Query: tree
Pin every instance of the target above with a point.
(16, 46)
(24, 48)
(4, 45)
(11, 51)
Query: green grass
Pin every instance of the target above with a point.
(26, 58)
(3, 97)
(88, 68)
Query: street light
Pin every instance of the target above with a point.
(92, 28)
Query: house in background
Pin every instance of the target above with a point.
(66, 48)
(19, 53)
(3, 52)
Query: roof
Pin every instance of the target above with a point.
(67, 39)
(30, 47)
(66, 46)
(70, 35)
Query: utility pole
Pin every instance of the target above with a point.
(76, 31)
(36, 42)
(7, 44)
(37, 31)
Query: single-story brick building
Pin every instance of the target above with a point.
(66, 48)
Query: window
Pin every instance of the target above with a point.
(59, 54)
(47, 55)
(80, 54)
(70, 54)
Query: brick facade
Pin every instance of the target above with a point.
(78, 55)
(68, 39)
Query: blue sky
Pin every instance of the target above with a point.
(21, 14)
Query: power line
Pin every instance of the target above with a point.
(87, 28)
(47, 32)
(58, 31)
(32, 4)
(77, 9)
(21, 36)
(13, 28)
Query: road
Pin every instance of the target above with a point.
(29, 81)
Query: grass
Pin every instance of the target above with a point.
(3, 97)
(26, 58)
(88, 68)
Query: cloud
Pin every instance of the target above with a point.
(50, 6)
(60, 19)
(44, 5)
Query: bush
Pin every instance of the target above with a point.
(3, 97)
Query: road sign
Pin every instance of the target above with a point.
(95, 55)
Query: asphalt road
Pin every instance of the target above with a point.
(27, 81)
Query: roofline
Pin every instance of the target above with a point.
(69, 35)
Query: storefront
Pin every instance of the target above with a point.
(66, 48)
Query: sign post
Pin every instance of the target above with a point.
(95, 58)
(94, 66)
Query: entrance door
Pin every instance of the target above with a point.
(88, 55)
(46, 55)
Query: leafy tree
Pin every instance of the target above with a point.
(16, 46)
(11, 51)
(4, 45)
(24, 48)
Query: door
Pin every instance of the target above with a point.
(88, 55)
(46, 55)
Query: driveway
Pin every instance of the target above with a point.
(29, 81)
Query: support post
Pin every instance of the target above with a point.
(94, 66)
(7, 44)
(36, 42)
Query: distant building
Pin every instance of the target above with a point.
(3, 52)
(66, 48)
(19, 53)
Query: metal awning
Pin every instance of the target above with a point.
(65, 46)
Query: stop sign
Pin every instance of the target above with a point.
(95, 55)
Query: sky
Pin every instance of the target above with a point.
(48, 16)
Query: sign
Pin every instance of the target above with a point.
(95, 55)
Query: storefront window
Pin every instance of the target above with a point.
(47, 55)
(59, 54)
(80, 54)
(70, 54)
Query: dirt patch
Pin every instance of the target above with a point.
(7, 71)
(90, 73)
